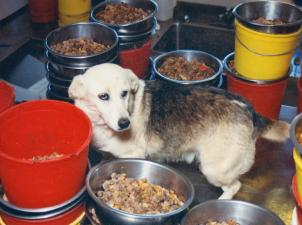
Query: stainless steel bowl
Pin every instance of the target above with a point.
(136, 27)
(124, 39)
(98, 32)
(297, 121)
(138, 168)
(71, 71)
(248, 11)
(234, 73)
(189, 55)
(222, 210)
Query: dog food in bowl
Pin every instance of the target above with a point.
(53, 155)
(137, 196)
(79, 47)
(178, 68)
(122, 13)
(228, 222)
(263, 21)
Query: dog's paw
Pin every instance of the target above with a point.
(230, 190)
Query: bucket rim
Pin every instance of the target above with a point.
(81, 148)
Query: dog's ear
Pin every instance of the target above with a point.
(76, 89)
(134, 81)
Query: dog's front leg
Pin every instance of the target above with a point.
(230, 190)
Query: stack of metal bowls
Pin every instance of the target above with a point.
(208, 59)
(133, 36)
(62, 68)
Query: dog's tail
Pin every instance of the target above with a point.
(275, 130)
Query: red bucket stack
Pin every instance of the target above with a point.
(265, 96)
(43, 159)
(134, 37)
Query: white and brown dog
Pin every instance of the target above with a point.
(157, 120)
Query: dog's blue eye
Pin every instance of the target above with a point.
(124, 93)
(104, 97)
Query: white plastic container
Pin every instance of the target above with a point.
(165, 9)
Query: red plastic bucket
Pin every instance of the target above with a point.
(43, 11)
(41, 128)
(72, 213)
(298, 201)
(265, 97)
(137, 59)
(299, 96)
(74, 217)
(7, 96)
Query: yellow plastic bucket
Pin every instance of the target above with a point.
(298, 164)
(66, 20)
(263, 56)
(74, 7)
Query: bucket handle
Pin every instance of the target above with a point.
(257, 53)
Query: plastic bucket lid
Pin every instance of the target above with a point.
(41, 128)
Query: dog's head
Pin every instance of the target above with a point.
(107, 90)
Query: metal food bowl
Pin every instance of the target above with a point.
(246, 12)
(222, 210)
(136, 27)
(155, 173)
(97, 32)
(189, 55)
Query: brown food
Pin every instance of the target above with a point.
(121, 14)
(79, 47)
(53, 155)
(137, 196)
(299, 134)
(264, 21)
(228, 222)
(178, 68)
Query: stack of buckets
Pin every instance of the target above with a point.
(134, 38)
(49, 191)
(263, 53)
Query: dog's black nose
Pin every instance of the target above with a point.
(123, 123)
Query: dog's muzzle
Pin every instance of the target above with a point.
(123, 123)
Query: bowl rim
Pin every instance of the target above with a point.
(244, 20)
(292, 132)
(118, 26)
(238, 202)
(59, 29)
(163, 55)
(98, 202)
